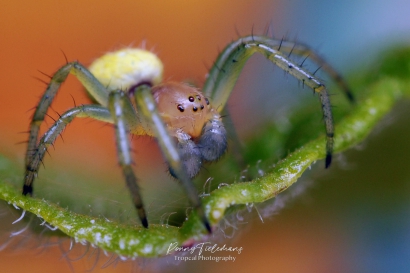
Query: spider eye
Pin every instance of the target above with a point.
(191, 99)
(202, 106)
(207, 101)
(180, 108)
(195, 109)
(198, 97)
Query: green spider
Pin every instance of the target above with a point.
(187, 124)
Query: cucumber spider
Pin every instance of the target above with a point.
(187, 124)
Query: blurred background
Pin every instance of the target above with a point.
(347, 220)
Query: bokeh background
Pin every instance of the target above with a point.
(352, 218)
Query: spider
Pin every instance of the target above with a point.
(126, 86)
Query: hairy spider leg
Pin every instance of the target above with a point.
(118, 108)
(117, 115)
(290, 48)
(304, 51)
(93, 111)
(148, 109)
(94, 87)
(117, 103)
(230, 62)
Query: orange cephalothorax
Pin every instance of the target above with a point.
(182, 107)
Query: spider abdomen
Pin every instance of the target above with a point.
(128, 67)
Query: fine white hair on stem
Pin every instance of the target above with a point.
(20, 218)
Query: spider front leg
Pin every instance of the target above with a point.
(292, 48)
(230, 62)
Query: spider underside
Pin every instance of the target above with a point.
(186, 123)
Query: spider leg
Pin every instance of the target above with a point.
(119, 115)
(220, 83)
(92, 111)
(304, 51)
(94, 87)
(117, 101)
(147, 108)
(212, 85)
